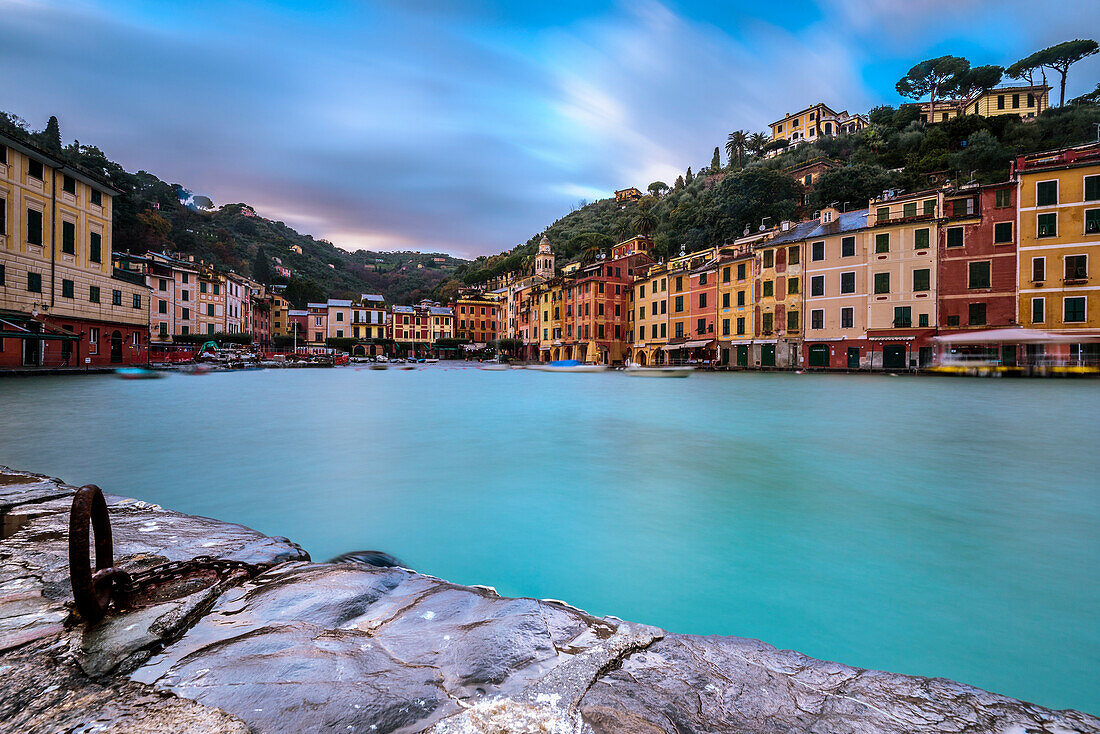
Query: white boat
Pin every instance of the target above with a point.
(431, 360)
(638, 371)
(493, 366)
(568, 365)
(379, 366)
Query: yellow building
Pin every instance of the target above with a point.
(626, 195)
(650, 315)
(61, 299)
(902, 272)
(778, 342)
(814, 122)
(1058, 222)
(1022, 101)
(340, 314)
(736, 304)
(280, 323)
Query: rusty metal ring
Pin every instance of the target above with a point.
(92, 593)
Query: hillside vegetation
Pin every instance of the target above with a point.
(150, 216)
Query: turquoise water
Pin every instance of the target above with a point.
(937, 526)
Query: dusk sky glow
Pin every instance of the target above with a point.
(468, 126)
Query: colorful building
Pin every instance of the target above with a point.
(736, 304)
(317, 324)
(476, 317)
(836, 247)
(340, 313)
(1058, 230)
(902, 311)
(1022, 101)
(62, 300)
(813, 122)
(778, 296)
(650, 321)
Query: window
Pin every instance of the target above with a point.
(1048, 225)
(920, 239)
(702, 300)
(922, 320)
(641, 291)
(847, 317)
(1092, 221)
(954, 236)
(817, 318)
(679, 304)
(34, 169)
(769, 288)
(882, 214)
(185, 295)
(1046, 193)
(767, 322)
(97, 198)
(116, 298)
(725, 327)
(1038, 310)
(882, 283)
(702, 278)
(1003, 198)
(817, 251)
(1092, 188)
(903, 316)
(137, 300)
(67, 288)
(3, 213)
(1000, 101)
(1038, 269)
(679, 283)
(1077, 267)
(1073, 310)
(162, 307)
(95, 248)
(641, 312)
(1015, 101)
(769, 258)
(1, 281)
(794, 255)
(725, 300)
(701, 326)
(202, 287)
(740, 298)
(34, 282)
(210, 309)
(163, 329)
(817, 285)
(978, 275)
(725, 277)
(4, 154)
(930, 207)
(910, 209)
(339, 333)
(976, 315)
(792, 286)
(741, 271)
(93, 294)
(217, 289)
(848, 282)
(953, 320)
(34, 227)
(1002, 233)
(339, 315)
(93, 339)
(68, 238)
(162, 285)
(741, 325)
(68, 185)
(882, 242)
(792, 321)
(848, 247)
(922, 279)
(679, 329)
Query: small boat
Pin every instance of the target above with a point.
(638, 371)
(568, 365)
(137, 373)
(379, 366)
(432, 361)
(406, 366)
(493, 366)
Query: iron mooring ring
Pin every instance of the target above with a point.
(91, 591)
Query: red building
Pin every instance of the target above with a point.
(977, 259)
(703, 310)
(476, 319)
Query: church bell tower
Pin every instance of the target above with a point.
(544, 260)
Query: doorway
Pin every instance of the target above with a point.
(116, 347)
(819, 355)
(767, 355)
(893, 356)
(853, 358)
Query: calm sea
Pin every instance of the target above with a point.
(937, 526)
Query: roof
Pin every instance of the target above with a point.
(811, 107)
(846, 222)
(30, 149)
(403, 309)
(339, 303)
(374, 297)
(440, 311)
(316, 305)
(293, 312)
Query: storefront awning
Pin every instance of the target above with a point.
(698, 343)
(20, 325)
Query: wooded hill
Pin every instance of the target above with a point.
(150, 216)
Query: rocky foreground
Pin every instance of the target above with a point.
(343, 647)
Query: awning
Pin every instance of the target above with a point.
(670, 347)
(698, 343)
(16, 325)
(1016, 336)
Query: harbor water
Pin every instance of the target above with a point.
(936, 526)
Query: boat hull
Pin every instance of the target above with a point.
(659, 371)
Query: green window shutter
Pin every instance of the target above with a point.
(1092, 221)
(930, 207)
(1046, 193)
(882, 242)
(910, 209)
(882, 282)
(1092, 188)
(920, 239)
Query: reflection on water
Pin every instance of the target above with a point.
(924, 525)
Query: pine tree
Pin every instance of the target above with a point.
(680, 182)
(689, 177)
(716, 161)
(51, 136)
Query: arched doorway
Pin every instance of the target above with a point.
(116, 347)
(640, 358)
(359, 351)
(819, 355)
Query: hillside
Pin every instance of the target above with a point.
(151, 214)
(719, 202)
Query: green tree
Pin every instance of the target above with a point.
(680, 183)
(715, 161)
(645, 221)
(851, 187)
(261, 268)
(983, 156)
(51, 136)
(688, 177)
(1092, 97)
(1061, 57)
(736, 143)
(658, 188)
(932, 77)
(756, 143)
(978, 79)
(622, 229)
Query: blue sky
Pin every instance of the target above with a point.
(469, 126)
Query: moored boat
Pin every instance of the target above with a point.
(638, 371)
(568, 365)
(137, 373)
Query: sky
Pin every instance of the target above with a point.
(468, 126)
